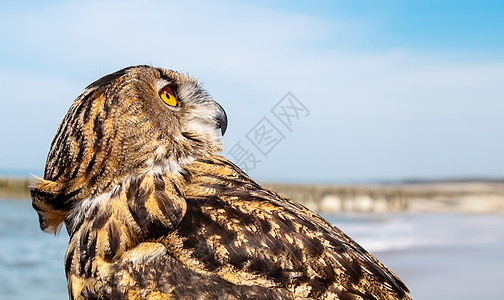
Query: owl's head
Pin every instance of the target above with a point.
(139, 119)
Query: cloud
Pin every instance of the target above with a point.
(194, 33)
(394, 112)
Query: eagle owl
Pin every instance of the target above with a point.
(153, 210)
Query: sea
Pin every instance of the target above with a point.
(437, 255)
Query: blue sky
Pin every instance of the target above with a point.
(395, 89)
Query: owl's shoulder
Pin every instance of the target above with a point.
(252, 236)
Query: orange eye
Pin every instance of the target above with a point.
(169, 96)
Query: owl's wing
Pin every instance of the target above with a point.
(251, 237)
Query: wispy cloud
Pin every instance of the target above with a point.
(387, 112)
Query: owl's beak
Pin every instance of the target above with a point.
(221, 119)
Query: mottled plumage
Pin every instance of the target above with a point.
(153, 211)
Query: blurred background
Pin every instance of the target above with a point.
(385, 116)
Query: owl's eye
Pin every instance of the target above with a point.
(169, 96)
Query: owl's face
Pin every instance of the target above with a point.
(136, 120)
(173, 104)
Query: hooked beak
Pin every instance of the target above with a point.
(221, 119)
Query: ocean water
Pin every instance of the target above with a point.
(31, 262)
(438, 256)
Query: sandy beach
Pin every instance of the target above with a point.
(420, 197)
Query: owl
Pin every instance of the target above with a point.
(153, 211)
